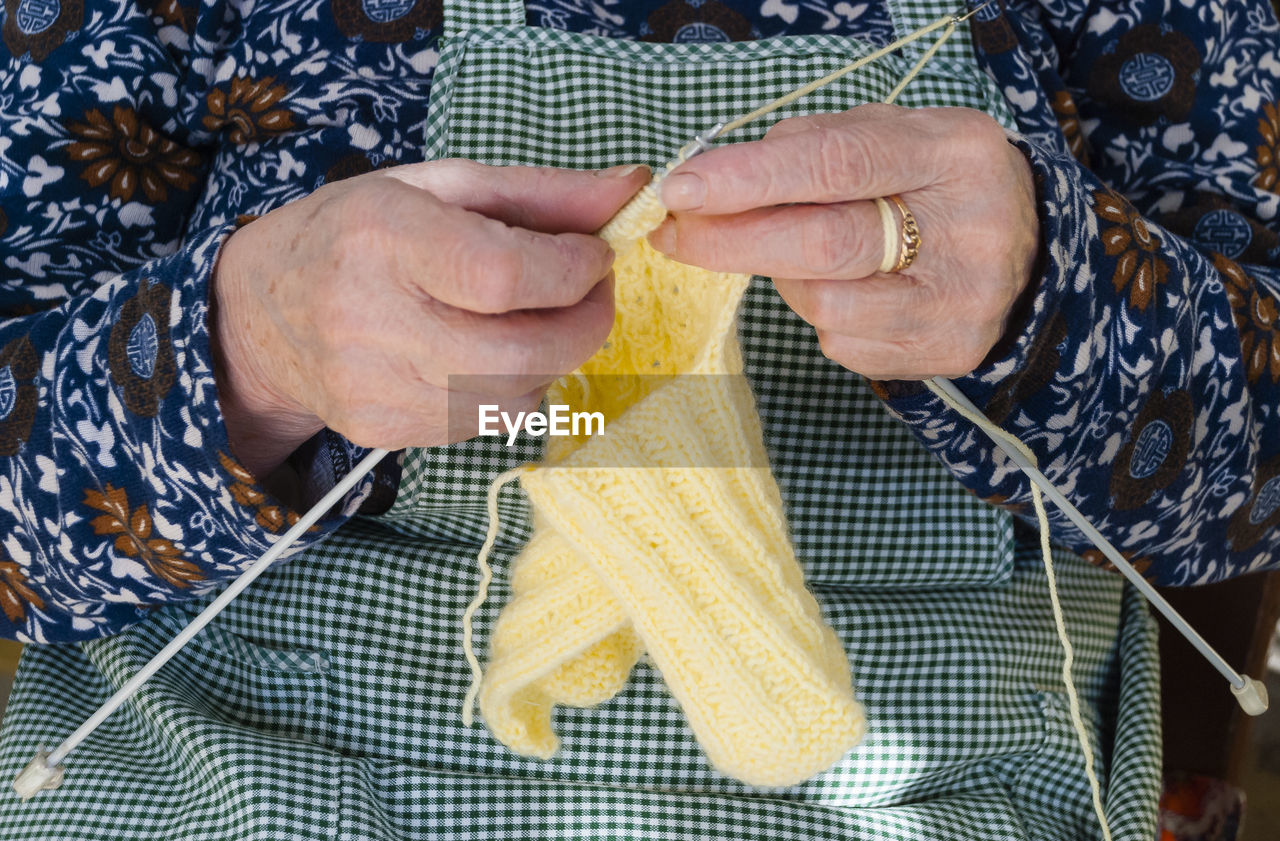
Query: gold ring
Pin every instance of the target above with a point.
(901, 235)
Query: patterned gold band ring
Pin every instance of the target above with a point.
(901, 234)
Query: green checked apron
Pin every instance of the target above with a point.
(325, 702)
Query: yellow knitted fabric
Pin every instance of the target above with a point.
(690, 564)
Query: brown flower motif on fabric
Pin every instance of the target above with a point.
(15, 593)
(351, 165)
(31, 308)
(138, 351)
(991, 30)
(130, 154)
(1269, 149)
(1141, 565)
(1215, 224)
(1139, 267)
(1150, 73)
(245, 491)
(19, 397)
(386, 21)
(1257, 318)
(1156, 450)
(1261, 512)
(1042, 365)
(4, 222)
(356, 163)
(1002, 501)
(1064, 109)
(888, 390)
(348, 166)
(136, 537)
(39, 27)
(248, 107)
(681, 22)
(174, 13)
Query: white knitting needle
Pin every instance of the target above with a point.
(1250, 692)
(45, 771)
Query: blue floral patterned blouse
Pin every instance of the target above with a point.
(1143, 366)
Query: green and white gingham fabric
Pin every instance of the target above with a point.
(325, 702)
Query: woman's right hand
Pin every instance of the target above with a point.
(352, 307)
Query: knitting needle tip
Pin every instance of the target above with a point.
(38, 776)
(1251, 695)
(971, 12)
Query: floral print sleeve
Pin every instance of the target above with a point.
(136, 136)
(1144, 367)
(117, 485)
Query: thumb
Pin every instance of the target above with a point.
(540, 199)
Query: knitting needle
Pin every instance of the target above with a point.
(46, 770)
(1250, 692)
(951, 21)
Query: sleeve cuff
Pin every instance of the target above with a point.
(247, 515)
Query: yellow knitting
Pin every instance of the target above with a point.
(691, 564)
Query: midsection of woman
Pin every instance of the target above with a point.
(333, 686)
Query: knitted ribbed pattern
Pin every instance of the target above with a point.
(690, 564)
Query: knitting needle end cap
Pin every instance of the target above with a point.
(38, 776)
(1252, 696)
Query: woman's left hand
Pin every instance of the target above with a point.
(797, 206)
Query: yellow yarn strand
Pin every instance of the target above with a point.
(1042, 520)
(924, 59)
(482, 591)
(1059, 620)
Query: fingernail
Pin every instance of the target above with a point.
(683, 191)
(663, 237)
(619, 171)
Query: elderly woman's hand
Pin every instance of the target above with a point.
(796, 206)
(352, 308)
